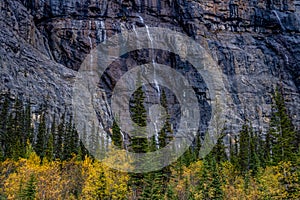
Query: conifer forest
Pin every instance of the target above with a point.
(45, 159)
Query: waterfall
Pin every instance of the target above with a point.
(91, 44)
(139, 5)
(155, 80)
(287, 59)
(137, 36)
(101, 32)
(153, 61)
(141, 19)
(123, 138)
(156, 134)
(278, 18)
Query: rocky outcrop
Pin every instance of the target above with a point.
(256, 44)
(27, 65)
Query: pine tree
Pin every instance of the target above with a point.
(50, 147)
(216, 183)
(153, 186)
(58, 138)
(138, 140)
(218, 151)
(254, 162)
(30, 190)
(50, 143)
(18, 130)
(75, 140)
(204, 178)
(67, 140)
(138, 114)
(4, 116)
(94, 140)
(166, 133)
(41, 137)
(170, 194)
(9, 137)
(116, 135)
(244, 150)
(233, 153)
(267, 148)
(4, 112)
(28, 128)
(282, 133)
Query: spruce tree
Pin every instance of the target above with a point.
(254, 162)
(18, 130)
(166, 133)
(58, 138)
(50, 142)
(139, 116)
(244, 150)
(9, 138)
(216, 183)
(218, 152)
(116, 135)
(74, 140)
(282, 133)
(30, 190)
(233, 152)
(4, 116)
(41, 137)
(204, 178)
(67, 140)
(28, 128)
(139, 139)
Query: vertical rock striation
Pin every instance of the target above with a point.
(256, 44)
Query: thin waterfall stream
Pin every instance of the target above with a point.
(155, 120)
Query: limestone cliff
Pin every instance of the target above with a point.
(255, 43)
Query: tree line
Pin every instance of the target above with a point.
(21, 129)
(252, 166)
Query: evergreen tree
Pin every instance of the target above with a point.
(203, 185)
(139, 140)
(116, 135)
(218, 152)
(170, 194)
(282, 134)
(166, 133)
(4, 136)
(244, 150)
(94, 140)
(233, 153)
(254, 162)
(50, 144)
(9, 137)
(18, 130)
(153, 186)
(30, 190)
(75, 140)
(82, 151)
(267, 148)
(67, 140)
(216, 183)
(58, 138)
(41, 137)
(28, 128)
(4, 112)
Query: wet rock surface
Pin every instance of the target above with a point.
(256, 44)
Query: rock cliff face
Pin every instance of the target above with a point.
(256, 44)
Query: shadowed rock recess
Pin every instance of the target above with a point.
(255, 43)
